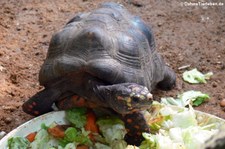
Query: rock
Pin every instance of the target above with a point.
(2, 134)
(135, 3)
(8, 120)
(214, 84)
(222, 103)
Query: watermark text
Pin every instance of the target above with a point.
(202, 4)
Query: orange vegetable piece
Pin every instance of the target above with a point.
(82, 147)
(91, 124)
(57, 131)
(30, 137)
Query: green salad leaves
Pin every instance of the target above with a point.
(191, 97)
(76, 116)
(171, 128)
(194, 76)
(112, 132)
(180, 130)
(18, 143)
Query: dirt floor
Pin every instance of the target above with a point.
(185, 35)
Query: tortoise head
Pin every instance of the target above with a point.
(126, 98)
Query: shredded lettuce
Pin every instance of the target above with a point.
(119, 144)
(132, 147)
(18, 143)
(74, 135)
(113, 130)
(172, 128)
(196, 97)
(184, 119)
(77, 116)
(41, 140)
(179, 130)
(195, 137)
(194, 76)
(70, 146)
(101, 146)
(191, 97)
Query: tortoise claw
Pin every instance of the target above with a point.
(41, 102)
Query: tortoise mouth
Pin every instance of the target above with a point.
(131, 109)
(141, 107)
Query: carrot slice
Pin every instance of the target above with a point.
(30, 137)
(82, 147)
(91, 124)
(57, 131)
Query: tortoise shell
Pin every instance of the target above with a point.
(108, 43)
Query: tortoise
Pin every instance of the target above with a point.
(104, 58)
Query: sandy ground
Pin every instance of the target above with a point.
(185, 35)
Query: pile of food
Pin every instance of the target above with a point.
(171, 128)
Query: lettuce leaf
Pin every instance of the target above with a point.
(118, 144)
(18, 143)
(149, 142)
(113, 130)
(41, 140)
(195, 137)
(70, 146)
(72, 135)
(184, 119)
(159, 141)
(194, 76)
(101, 146)
(191, 97)
(180, 129)
(77, 116)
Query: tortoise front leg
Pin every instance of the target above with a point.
(41, 102)
(135, 124)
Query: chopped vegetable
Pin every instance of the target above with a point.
(112, 129)
(194, 76)
(74, 135)
(57, 131)
(18, 143)
(101, 146)
(194, 98)
(77, 116)
(70, 146)
(82, 147)
(119, 144)
(179, 130)
(91, 124)
(132, 147)
(71, 134)
(173, 128)
(183, 119)
(41, 140)
(30, 137)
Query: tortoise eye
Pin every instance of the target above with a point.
(135, 99)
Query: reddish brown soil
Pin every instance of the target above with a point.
(184, 35)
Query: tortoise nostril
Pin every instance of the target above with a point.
(135, 99)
